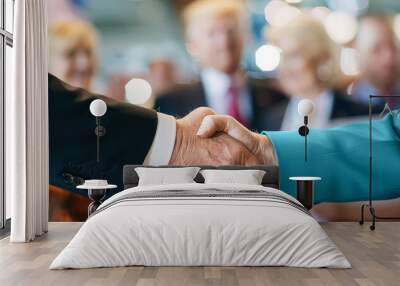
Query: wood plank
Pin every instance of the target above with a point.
(375, 257)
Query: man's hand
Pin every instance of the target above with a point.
(221, 149)
(259, 145)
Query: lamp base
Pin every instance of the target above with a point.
(372, 212)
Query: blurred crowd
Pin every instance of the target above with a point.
(215, 33)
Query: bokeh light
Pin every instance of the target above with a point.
(321, 12)
(341, 27)
(349, 61)
(279, 13)
(268, 57)
(137, 91)
(396, 25)
(294, 1)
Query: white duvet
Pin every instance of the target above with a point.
(200, 231)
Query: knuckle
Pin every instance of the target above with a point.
(208, 119)
(205, 110)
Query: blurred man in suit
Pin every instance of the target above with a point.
(379, 61)
(134, 135)
(215, 33)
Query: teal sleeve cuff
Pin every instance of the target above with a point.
(289, 153)
(340, 156)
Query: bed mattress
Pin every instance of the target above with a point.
(201, 225)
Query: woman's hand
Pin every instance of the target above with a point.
(257, 144)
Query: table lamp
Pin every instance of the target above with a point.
(305, 108)
(98, 108)
(305, 185)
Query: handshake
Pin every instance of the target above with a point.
(205, 138)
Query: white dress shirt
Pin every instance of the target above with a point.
(216, 85)
(163, 144)
(320, 118)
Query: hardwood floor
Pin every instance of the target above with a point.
(375, 257)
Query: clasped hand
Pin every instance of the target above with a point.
(205, 138)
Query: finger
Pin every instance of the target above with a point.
(212, 124)
(196, 116)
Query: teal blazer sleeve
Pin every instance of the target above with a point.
(340, 156)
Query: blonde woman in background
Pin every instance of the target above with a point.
(309, 69)
(72, 57)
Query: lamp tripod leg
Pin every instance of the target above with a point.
(361, 222)
(372, 211)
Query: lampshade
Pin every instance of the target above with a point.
(305, 107)
(98, 107)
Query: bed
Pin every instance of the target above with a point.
(197, 224)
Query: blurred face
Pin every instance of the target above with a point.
(74, 63)
(379, 59)
(161, 75)
(217, 42)
(162, 71)
(297, 74)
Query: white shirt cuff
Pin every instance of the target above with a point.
(164, 141)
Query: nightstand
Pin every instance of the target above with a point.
(97, 190)
(305, 190)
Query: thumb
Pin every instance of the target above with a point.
(212, 124)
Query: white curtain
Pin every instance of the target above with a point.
(27, 124)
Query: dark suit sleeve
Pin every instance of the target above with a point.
(345, 106)
(130, 131)
(181, 100)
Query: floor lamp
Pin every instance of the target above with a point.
(370, 202)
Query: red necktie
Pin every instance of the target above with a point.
(233, 104)
(392, 101)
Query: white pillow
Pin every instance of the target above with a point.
(166, 176)
(248, 177)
